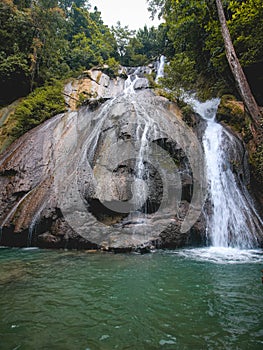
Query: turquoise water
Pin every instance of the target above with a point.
(185, 299)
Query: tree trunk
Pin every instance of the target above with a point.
(238, 73)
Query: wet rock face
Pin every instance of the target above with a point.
(92, 86)
(123, 174)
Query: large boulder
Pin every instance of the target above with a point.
(124, 173)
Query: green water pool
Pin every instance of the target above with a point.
(185, 299)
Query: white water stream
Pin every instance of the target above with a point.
(233, 220)
(145, 132)
(160, 69)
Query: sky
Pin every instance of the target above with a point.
(129, 12)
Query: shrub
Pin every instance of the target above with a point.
(42, 104)
(112, 67)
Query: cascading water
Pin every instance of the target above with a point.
(233, 221)
(34, 223)
(116, 184)
(137, 181)
(145, 132)
(160, 70)
(129, 84)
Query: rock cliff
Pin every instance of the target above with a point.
(123, 171)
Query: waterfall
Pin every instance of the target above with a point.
(160, 69)
(12, 212)
(233, 220)
(132, 172)
(34, 223)
(129, 84)
(144, 133)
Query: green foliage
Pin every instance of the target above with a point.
(156, 7)
(186, 22)
(49, 46)
(133, 54)
(246, 26)
(91, 42)
(14, 77)
(122, 35)
(150, 46)
(112, 67)
(16, 30)
(181, 73)
(232, 113)
(44, 40)
(151, 79)
(22, 4)
(40, 105)
(15, 37)
(194, 31)
(81, 55)
(139, 48)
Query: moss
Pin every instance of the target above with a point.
(256, 161)
(82, 98)
(167, 94)
(232, 113)
(98, 78)
(151, 79)
(188, 115)
(40, 105)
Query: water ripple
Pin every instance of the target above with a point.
(185, 299)
(222, 255)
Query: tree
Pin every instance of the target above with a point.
(132, 56)
(190, 63)
(194, 30)
(246, 30)
(151, 46)
(81, 54)
(49, 44)
(156, 7)
(21, 4)
(45, 39)
(122, 36)
(15, 42)
(236, 68)
(90, 41)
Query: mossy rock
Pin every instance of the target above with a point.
(40, 105)
(232, 113)
(256, 162)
